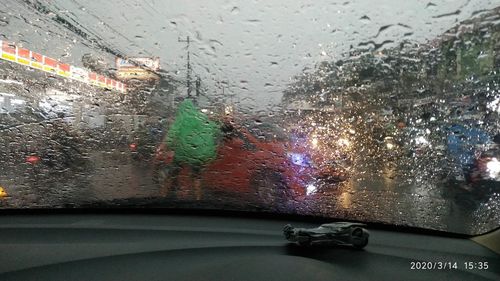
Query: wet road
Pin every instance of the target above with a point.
(115, 176)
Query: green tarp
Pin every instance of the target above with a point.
(193, 137)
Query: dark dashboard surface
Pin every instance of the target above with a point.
(194, 247)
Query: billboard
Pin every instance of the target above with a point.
(137, 68)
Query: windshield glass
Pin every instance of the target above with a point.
(375, 111)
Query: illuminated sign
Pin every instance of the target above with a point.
(137, 68)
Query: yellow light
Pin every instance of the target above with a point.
(345, 200)
(390, 145)
(228, 110)
(344, 142)
(314, 142)
(2, 193)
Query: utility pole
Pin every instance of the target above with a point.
(220, 84)
(231, 96)
(198, 85)
(188, 75)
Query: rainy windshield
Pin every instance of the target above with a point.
(385, 111)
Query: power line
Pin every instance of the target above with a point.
(220, 72)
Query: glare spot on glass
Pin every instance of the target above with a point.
(494, 105)
(421, 140)
(310, 189)
(390, 145)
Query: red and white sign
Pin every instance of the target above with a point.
(10, 52)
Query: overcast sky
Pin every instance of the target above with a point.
(257, 46)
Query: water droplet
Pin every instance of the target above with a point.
(430, 5)
(365, 19)
(235, 10)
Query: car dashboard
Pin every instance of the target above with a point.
(198, 247)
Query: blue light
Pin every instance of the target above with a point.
(300, 159)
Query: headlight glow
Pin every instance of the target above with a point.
(493, 168)
(344, 142)
(421, 140)
(314, 142)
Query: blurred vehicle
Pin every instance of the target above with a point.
(486, 166)
(465, 146)
(246, 165)
(329, 158)
(339, 233)
(58, 149)
(142, 143)
(326, 168)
